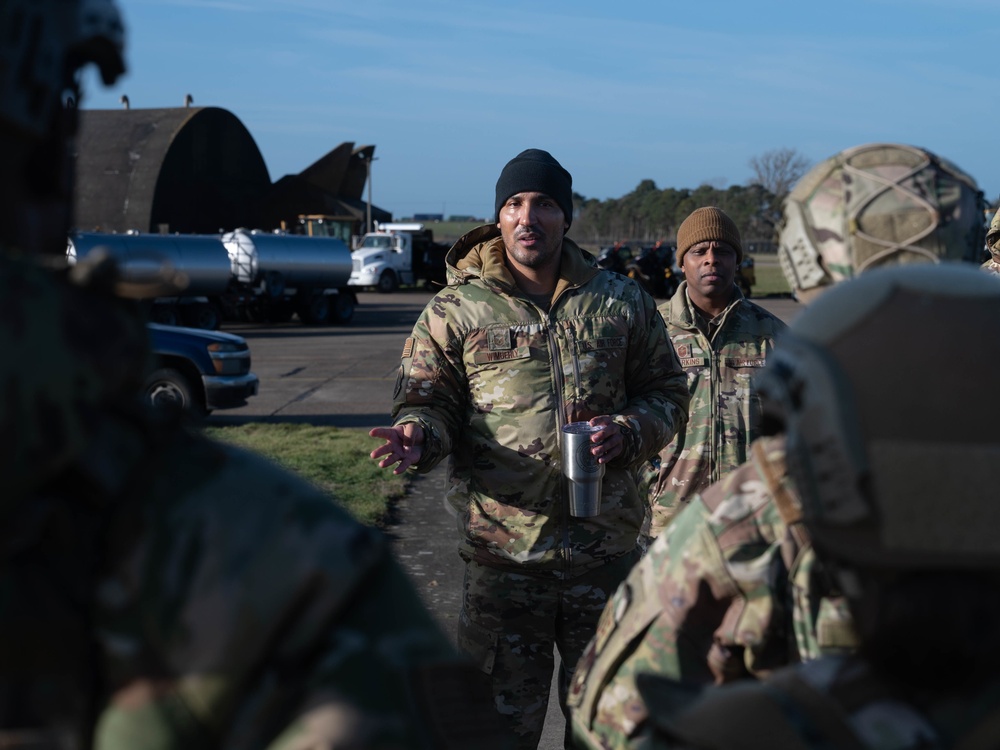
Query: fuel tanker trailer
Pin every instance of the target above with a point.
(240, 275)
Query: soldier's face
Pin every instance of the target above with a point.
(710, 270)
(532, 226)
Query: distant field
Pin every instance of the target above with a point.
(770, 279)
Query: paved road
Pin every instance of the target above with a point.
(344, 376)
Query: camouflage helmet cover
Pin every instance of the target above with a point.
(893, 457)
(993, 236)
(877, 204)
(44, 43)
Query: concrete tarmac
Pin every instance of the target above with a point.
(344, 376)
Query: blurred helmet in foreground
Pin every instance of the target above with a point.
(993, 237)
(875, 205)
(893, 454)
(43, 46)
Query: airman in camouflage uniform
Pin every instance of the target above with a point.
(733, 588)
(529, 335)
(722, 340)
(993, 245)
(159, 589)
(922, 580)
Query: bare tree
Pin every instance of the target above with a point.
(778, 170)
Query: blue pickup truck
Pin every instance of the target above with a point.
(198, 370)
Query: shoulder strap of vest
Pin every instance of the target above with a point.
(774, 477)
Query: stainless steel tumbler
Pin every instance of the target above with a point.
(581, 469)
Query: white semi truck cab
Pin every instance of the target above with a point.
(395, 254)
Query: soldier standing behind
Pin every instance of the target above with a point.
(722, 340)
(157, 589)
(529, 335)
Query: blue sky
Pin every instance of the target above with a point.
(682, 93)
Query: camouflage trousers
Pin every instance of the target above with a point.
(510, 623)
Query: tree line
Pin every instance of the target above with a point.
(649, 214)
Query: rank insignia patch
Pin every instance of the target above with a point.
(498, 339)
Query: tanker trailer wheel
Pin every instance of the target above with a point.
(165, 315)
(168, 391)
(202, 315)
(315, 309)
(387, 282)
(279, 311)
(343, 308)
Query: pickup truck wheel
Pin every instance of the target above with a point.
(169, 391)
(387, 282)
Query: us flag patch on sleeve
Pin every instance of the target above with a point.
(408, 348)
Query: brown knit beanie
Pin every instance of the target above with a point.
(704, 224)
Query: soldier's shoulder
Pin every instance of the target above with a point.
(744, 497)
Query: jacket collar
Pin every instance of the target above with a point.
(682, 313)
(480, 254)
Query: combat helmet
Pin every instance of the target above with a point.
(873, 205)
(894, 457)
(993, 237)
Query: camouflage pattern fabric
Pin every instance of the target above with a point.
(993, 245)
(724, 415)
(492, 378)
(509, 624)
(872, 205)
(167, 591)
(835, 702)
(712, 601)
(261, 613)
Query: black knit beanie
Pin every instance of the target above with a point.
(535, 171)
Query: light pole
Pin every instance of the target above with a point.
(368, 177)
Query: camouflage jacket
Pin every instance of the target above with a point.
(724, 415)
(835, 702)
(161, 590)
(728, 590)
(492, 378)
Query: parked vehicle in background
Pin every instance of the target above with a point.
(398, 254)
(654, 267)
(198, 371)
(241, 275)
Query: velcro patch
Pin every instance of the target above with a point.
(745, 361)
(694, 361)
(498, 339)
(609, 342)
(484, 358)
(408, 348)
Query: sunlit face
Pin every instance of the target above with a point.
(532, 226)
(710, 271)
